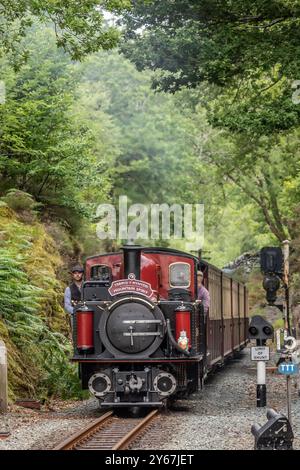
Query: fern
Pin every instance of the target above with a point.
(39, 357)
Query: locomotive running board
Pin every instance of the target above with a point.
(128, 360)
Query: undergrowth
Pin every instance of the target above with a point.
(32, 322)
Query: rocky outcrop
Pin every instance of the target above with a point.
(247, 261)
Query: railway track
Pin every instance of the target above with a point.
(109, 432)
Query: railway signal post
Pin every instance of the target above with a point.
(271, 264)
(260, 330)
(274, 263)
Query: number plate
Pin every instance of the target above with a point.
(260, 353)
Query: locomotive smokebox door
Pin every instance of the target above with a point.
(133, 332)
(132, 326)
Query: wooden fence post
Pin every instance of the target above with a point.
(3, 377)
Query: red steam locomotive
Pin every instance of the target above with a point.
(140, 334)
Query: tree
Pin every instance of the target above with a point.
(248, 51)
(155, 147)
(241, 58)
(192, 41)
(264, 170)
(79, 26)
(46, 148)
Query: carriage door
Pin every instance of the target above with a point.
(215, 315)
(227, 315)
(242, 313)
(246, 312)
(235, 314)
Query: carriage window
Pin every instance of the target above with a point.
(180, 275)
(101, 272)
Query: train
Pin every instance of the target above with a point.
(142, 337)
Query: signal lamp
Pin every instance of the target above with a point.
(260, 329)
(267, 330)
(271, 284)
(271, 260)
(253, 331)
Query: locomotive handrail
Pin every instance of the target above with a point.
(173, 341)
(142, 333)
(136, 299)
(133, 322)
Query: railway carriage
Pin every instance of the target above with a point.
(140, 334)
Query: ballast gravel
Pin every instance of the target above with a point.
(219, 417)
(42, 430)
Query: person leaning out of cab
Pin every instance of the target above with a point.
(203, 293)
(73, 291)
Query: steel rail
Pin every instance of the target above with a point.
(132, 435)
(107, 433)
(70, 443)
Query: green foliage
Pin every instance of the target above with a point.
(19, 200)
(278, 323)
(74, 135)
(61, 377)
(168, 152)
(221, 42)
(242, 59)
(226, 239)
(31, 321)
(79, 27)
(47, 148)
(153, 135)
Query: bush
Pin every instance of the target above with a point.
(20, 201)
(31, 317)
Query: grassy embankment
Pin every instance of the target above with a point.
(32, 321)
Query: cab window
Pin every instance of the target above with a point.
(180, 275)
(101, 272)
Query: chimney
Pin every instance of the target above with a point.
(132, 260)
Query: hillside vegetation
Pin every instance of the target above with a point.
(32, 321)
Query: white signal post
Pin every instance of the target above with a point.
(261, 396)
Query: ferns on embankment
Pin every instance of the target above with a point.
(32, 321)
